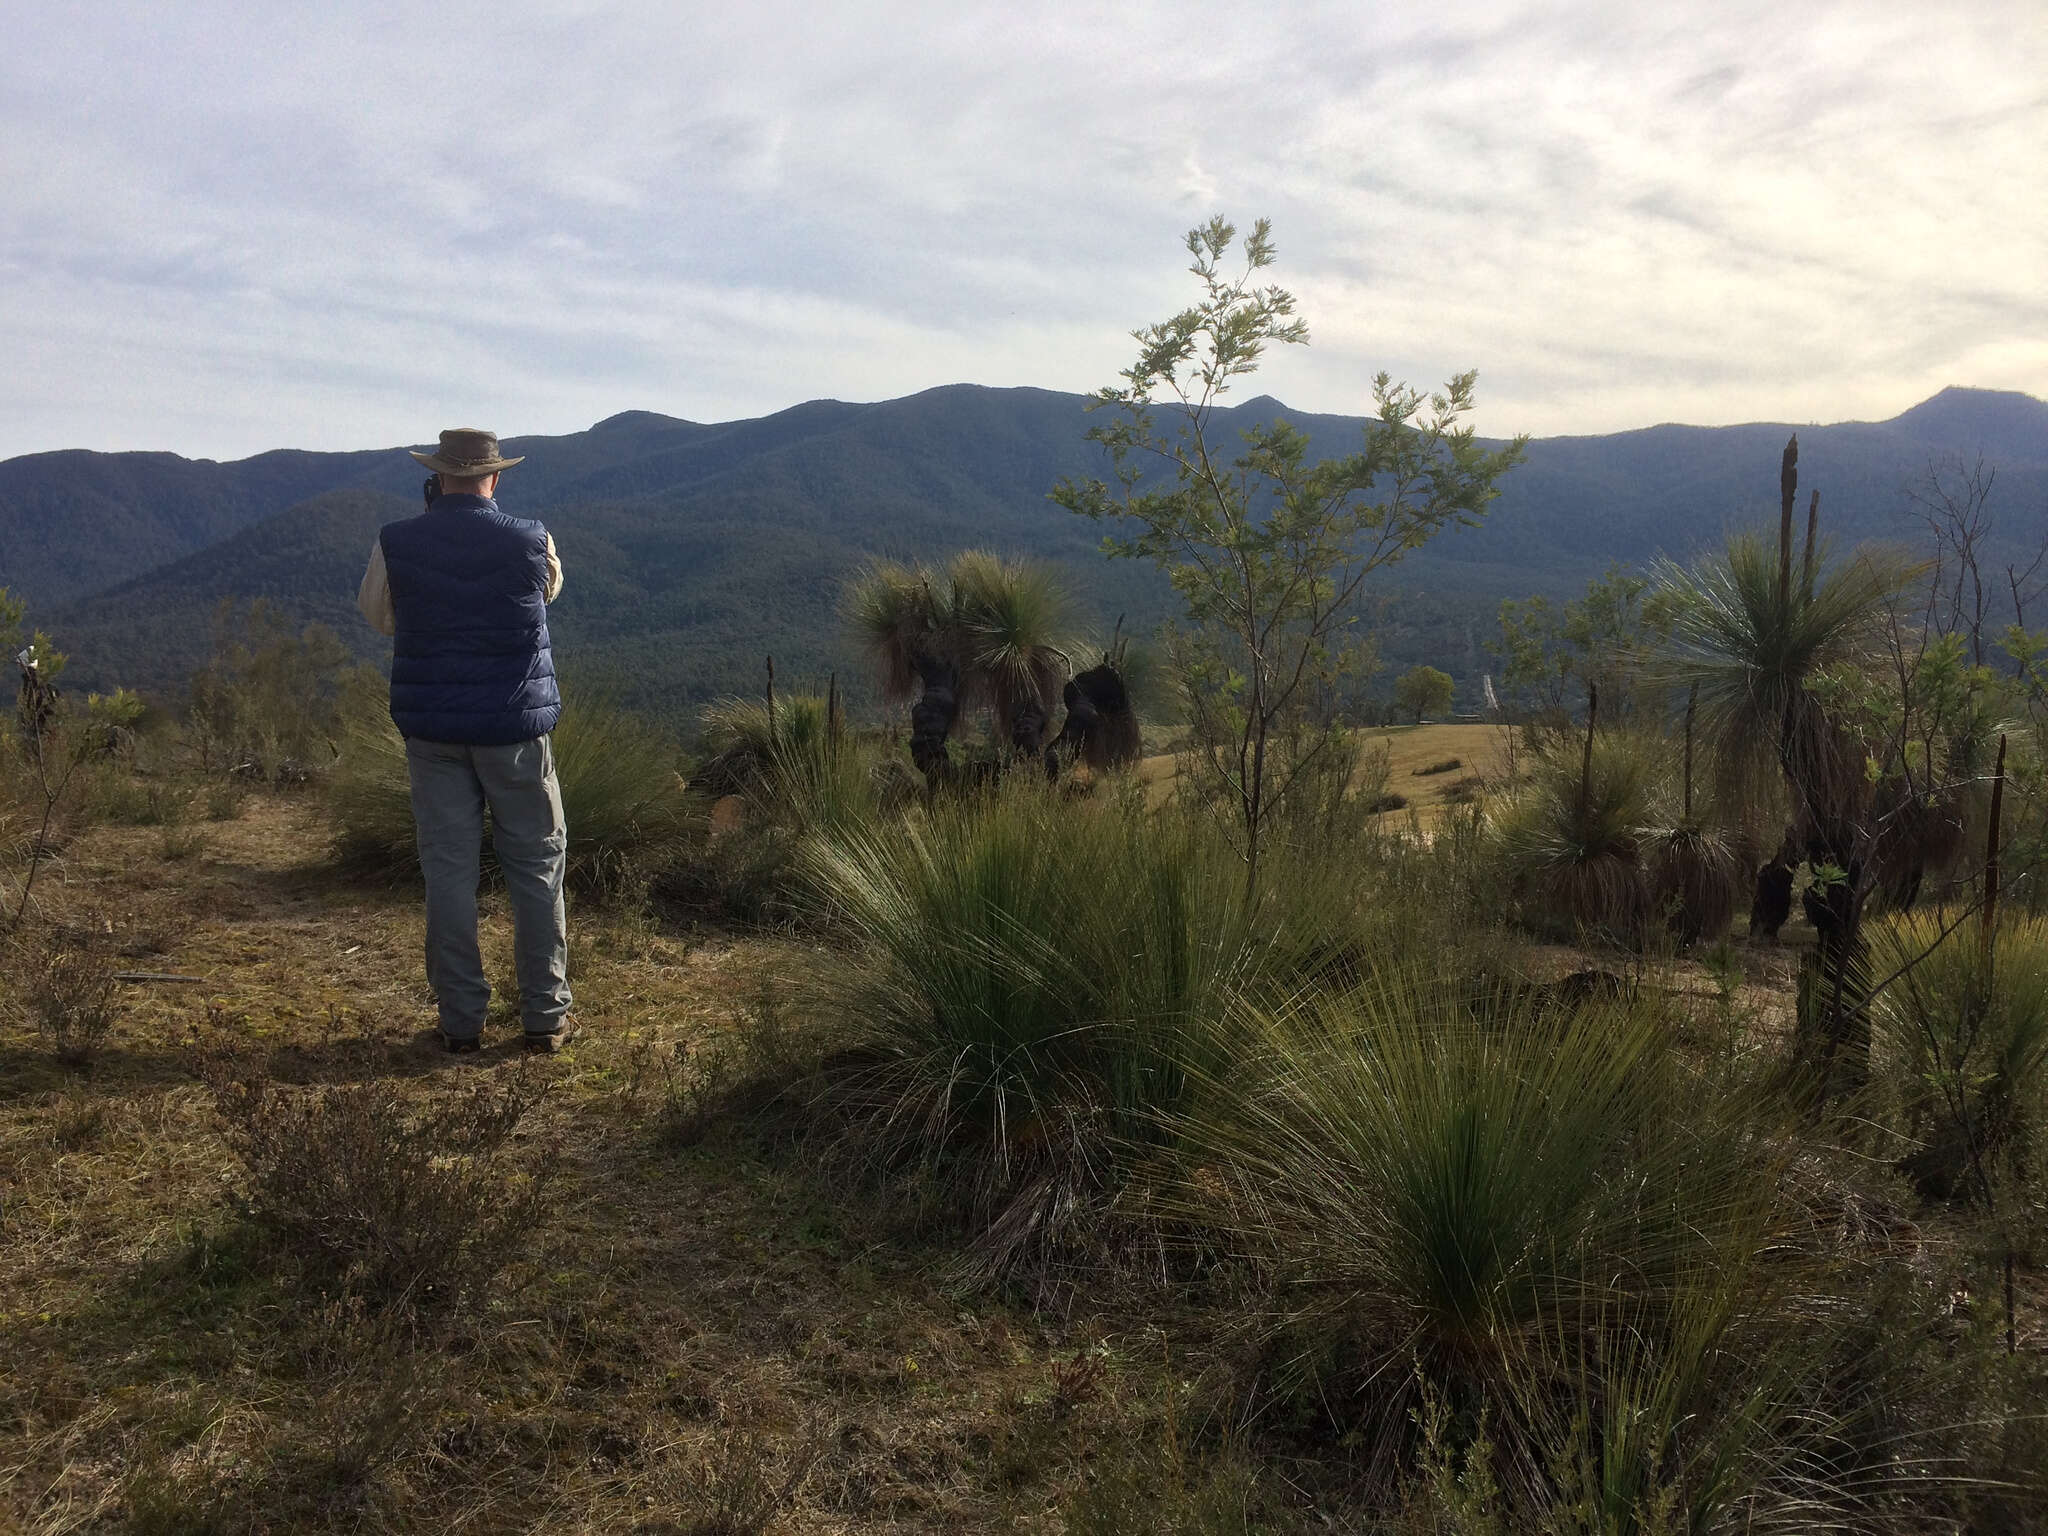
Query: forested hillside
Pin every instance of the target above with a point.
(693, 551)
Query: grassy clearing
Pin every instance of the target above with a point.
(693, 1326)
(1480, 749)
(707, 1328)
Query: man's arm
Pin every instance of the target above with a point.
(554, 571)
(373, 597)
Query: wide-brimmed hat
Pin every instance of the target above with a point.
(466, 454)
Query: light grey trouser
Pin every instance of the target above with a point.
(451, 784)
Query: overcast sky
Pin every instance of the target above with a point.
(231, 227)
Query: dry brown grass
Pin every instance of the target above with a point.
(700, 1339)
(1409, 747)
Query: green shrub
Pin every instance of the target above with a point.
(1046, 972)
(1962, 1033)
(745, 754)
(1696, 880)
(1573, 840)
(624, 801)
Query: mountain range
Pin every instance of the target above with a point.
(693, 551)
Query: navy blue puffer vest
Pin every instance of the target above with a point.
(471, 662)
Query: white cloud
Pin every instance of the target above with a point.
(239, 226)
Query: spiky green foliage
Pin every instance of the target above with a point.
(1001, 622)
(1963, 1034)
(1697, 878)
(897, 610)
(1010, 618)
(743, 743)
(622, 796)
(1046, 974)
(1753, 649)
(1574, 838)
(1436, 1174)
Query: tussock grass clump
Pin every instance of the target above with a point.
(1556, 1265)
(1573, 840)
(1696, 879)
(1441, 1168)
(747, 751)
(621, 795)
(407, 1195)
(1962, 1032)
(792, 787)
(1046, 975)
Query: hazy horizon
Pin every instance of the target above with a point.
(234, 228)
(1230, 400)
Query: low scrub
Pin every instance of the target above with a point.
(1573, 841)
(747, 750)
(1962, 1034)
(1447, 765)
(1535, 1252)
(269, 704)
(67, 988)
(1047, 973)
(1696, 880)
(1465, 791)
(624, 802)
(410, 1195)
(783, 791)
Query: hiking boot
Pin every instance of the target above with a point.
(461, 1045)
(546, 1044)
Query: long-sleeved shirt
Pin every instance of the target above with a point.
(373, 597)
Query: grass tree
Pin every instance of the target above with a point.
(987, 632)
(1762, 646)
(1010, 617)
(1575, 839)
(1696, 867)
(1269, 549)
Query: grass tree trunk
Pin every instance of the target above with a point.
(1834, 1006)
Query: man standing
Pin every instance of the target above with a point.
(464, 590)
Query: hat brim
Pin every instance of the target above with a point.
(462, 471)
